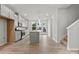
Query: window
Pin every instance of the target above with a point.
(41, 26)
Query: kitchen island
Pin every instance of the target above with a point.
(34, 36)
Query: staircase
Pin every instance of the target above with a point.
(71, 40)
(64, 41)
(73, 36)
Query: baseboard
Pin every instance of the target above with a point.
(70, 49)
(1, 47)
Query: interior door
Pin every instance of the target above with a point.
(3, 32)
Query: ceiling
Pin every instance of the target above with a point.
(33, 10)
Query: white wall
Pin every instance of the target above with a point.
(59, 23)
(62, 23)
(54, 26)
(72, 14)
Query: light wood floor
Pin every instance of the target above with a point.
(45, 46)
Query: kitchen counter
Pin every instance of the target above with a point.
(36, 31)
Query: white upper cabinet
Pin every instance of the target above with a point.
(23, 21)
(20, 19)
(16, 19)
(7, 12)
(4, 11)
(12, 14)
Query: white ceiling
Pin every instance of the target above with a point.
(36, 9)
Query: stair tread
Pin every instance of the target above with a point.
(64, 41)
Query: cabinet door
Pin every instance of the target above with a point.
(3, 32)
(17, 35)
(20, 19)
(23, 22)
(4, 11)
(34, 37)
(16, 21)
(12, 15)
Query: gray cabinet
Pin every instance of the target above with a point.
(34, 37)
(17, 35)
(3, 32)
